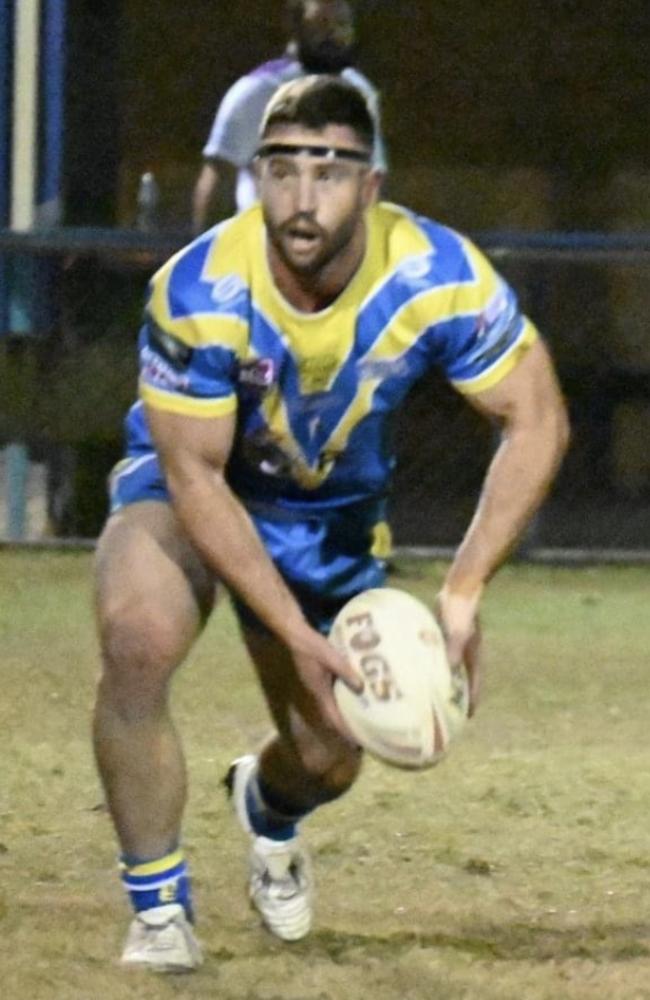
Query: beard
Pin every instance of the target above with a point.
(327, 245)
(326, 57)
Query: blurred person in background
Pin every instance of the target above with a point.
(277, 348)
(322, 41)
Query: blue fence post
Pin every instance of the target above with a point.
(20, 313)
(14, 522)
(27, 285)
(17, 474)
(6, 39)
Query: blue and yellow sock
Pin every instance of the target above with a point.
(269, 815)
(158, 882)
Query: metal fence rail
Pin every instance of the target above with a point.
(64, 388)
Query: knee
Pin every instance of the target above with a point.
(330, 769)
(342, 774)
(140, 650)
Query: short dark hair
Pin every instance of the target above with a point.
(318, 101)
(295, 12)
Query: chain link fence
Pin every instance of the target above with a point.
(65, 388)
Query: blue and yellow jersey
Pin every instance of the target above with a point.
(314, 394)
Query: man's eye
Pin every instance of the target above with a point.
(280, 170)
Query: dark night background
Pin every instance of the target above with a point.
(558, 90)
(498, 116)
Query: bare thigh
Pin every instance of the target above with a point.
(153, 594)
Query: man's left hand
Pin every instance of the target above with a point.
(458, 618)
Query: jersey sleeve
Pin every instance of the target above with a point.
(486, 335)
(235, 130)
(188, 355)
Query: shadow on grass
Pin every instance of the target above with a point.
(506, 942)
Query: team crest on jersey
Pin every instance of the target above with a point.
(264, 451)
(276, 456)
(258, 374)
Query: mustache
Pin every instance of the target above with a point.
(302, 220)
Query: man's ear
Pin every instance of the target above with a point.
(372, 187)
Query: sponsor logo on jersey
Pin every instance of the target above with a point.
(497, 327)
(157, 371)
(318, 403)
(496, 309)
(226, 289)
(381, 368)
(417, 266)
(173, 350)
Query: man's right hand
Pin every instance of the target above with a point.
(318, 664)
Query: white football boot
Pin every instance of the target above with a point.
(162, 939)
(280, 884)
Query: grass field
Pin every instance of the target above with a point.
(519, 869)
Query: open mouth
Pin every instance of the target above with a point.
(302, 238)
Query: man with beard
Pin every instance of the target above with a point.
(322, 41)
(276, 351)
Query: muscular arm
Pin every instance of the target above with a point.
(535, 432)
(529, 407)
(194, 452)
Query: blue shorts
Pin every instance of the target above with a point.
(325, 557)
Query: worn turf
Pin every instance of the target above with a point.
(519, 869)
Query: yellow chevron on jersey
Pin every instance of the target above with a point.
(314, 393)
(198, 328)
(306, 474)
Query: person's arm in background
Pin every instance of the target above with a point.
(231, 144)
(213, 176)
(203, 194)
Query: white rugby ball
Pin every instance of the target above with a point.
(413, 705)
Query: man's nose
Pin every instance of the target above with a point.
(335, 28)
(306, 194)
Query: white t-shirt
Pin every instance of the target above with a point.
(235, 131)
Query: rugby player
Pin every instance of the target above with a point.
(275, 350)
